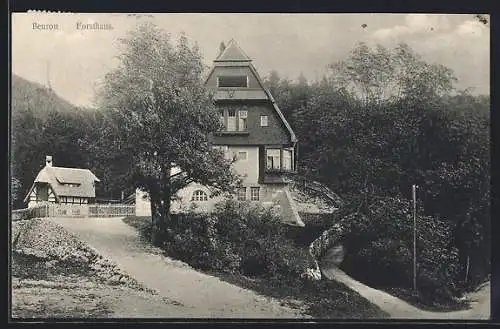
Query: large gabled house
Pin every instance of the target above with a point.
(62, 185)
(255, 133)
(255, 130)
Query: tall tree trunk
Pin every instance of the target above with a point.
(160, 220)
(156, 219)
(161, 209)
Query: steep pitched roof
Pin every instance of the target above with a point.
(293, 138)
(233, 53)
(59, 177)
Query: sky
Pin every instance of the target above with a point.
(75, 60)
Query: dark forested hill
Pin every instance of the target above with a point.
(28, 95)
(42, 124)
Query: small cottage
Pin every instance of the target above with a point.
(62, 185)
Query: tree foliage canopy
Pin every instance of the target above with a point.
(161, 117)
(384, 119)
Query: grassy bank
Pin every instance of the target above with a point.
(320, 299)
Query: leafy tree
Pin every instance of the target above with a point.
(300, 93)
(281, 91)
(289, 95)
(161, 118)
(25, 142)
(381, 235)
(372, 129)
(15, 188)
(461, 181)
(372, 117)
(110, 166)
(381, 74)
(272, 82)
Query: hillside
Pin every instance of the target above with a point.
(28, 95)
(42, 124)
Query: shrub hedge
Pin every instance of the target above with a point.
(380, 237)
(241, 238)
(237, 237)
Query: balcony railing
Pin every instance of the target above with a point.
(232, 132)
(279, 171)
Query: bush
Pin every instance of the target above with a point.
(380, 238)
(188, 239)
(237, 237)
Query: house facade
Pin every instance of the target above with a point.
(255, 134)
(62, 186)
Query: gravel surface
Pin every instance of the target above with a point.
(197, 294)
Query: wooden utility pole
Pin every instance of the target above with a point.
(467, 268)
(414, 194)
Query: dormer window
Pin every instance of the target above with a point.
(237, 81)
(71, 184)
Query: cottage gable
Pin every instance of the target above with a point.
(72, 182)
(64, 182)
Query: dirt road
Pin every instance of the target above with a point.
(399, 309)
(199, 295)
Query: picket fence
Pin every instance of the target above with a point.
(74, 210)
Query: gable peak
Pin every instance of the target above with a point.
(232, 53)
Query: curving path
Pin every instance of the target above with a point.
(198, 295)
(399, 309)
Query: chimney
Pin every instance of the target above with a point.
(222, 47)
(48, 160)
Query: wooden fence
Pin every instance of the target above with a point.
(68, 210)
(28, 213)
(111, 210)
(74, 210)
